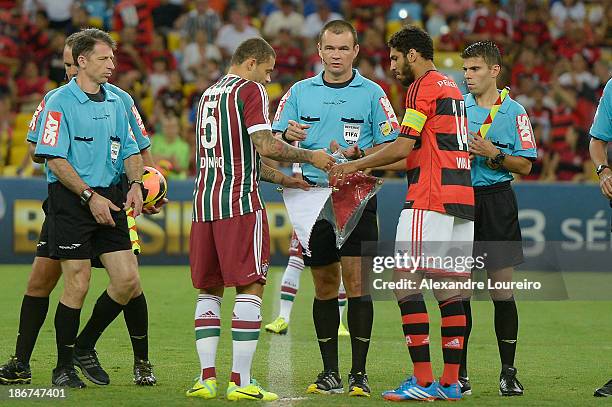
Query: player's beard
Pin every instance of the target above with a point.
(407, 75)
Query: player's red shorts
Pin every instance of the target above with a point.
(230, 252)
(295, 248)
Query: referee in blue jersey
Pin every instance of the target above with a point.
(601, 135)
(338, 105)
(509, 148)
(46, 272)
(85, 138)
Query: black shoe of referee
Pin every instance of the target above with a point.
(143, 373)
(466, 387)
(87, 361)
(66, 376)
(604, 391)
(508, 383)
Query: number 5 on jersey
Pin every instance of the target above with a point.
(208, 125)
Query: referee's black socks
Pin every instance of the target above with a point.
(359, 316)
(66, 329)
(32, 316)
(506, 329)
(105, 311)
(467, 308)
(135, 314)
(326, 321)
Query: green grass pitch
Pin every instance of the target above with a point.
(564, 348)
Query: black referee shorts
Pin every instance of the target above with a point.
(73, 232)
(497, 235)
(322, 243)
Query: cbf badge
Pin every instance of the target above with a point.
(351, 133)
(115, 146)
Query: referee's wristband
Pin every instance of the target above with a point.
(135, 181)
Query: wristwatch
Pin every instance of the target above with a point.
(135, 181)
(86, 195)
(498, 159)
(600, 168)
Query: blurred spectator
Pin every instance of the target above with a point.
(288, 55)
(373, 46)
(197, 53)
(79, 19)
(58, 11)
(202, 82)
(564, 114)
(31, 87)
(532, 25)
(490, 22)
(368, 68)
(452, 39)
(127, 56)
(453, 7)
(540, 113)
(368, 13)
(202, 17)
(8, 61)
(568, 162)
(529, 64)
(159, 49)
(168, 145)
(136, 14)
(55, 62)
(286, 17)
(233, 34)
(34, 37)
(578, 76)
(159, 77)
(170, 97)
(567, 10)
(315, 21)
(165, 14)
(7, 121)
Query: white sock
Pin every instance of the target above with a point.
(290, 285)
(207, 331)
(341, 300)
(246, 323)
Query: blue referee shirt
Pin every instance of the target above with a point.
(602, 124)
(94, 137)
(136, 125)
(510, 132)
(357, 113)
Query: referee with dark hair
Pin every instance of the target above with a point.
(87, 144)
(509, 147)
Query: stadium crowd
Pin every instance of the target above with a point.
(557, 60)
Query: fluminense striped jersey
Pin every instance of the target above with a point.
(227, 180)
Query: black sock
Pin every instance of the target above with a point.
(66, 329)
(32, 316)
(415, 324)
(506, 329)
(326, 321)
(136, 319)
(359, 316)
(105, 311)
(467, 307)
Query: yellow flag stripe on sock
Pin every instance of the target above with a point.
(414, 119)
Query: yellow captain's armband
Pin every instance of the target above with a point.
(414, 119)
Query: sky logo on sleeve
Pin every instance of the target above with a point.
(51, 128)
(523, 127)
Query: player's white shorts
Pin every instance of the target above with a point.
(442, 243)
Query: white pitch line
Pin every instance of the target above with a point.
(280, 373)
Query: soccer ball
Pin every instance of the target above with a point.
(154, 187)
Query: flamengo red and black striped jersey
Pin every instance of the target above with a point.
(438, 168)
(227, 180)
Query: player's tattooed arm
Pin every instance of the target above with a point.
(274, 176)
(278, 150)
